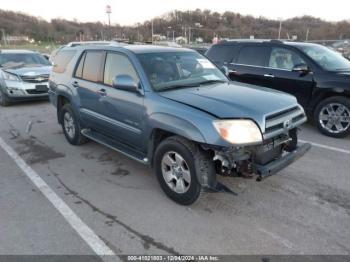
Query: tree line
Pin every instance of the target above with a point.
(203, 24)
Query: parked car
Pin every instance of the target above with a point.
(316, 75)
(24, 75)
(172, 109)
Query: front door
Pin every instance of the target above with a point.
(122, 109)
(282, 77)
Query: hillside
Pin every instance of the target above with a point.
(203, 23)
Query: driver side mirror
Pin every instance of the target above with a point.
(301, 68)
(125, 82)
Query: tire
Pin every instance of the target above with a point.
(4, 100)
(187, 161)
(332, 116)
(71, 126)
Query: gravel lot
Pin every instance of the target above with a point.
(303, 210)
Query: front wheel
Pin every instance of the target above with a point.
(332, 116)
(175, 166)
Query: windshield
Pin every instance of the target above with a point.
(170, 70)
(326, 58)
(22, 59)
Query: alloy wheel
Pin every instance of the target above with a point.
(176, 172)
(335, 118)
(69, 126)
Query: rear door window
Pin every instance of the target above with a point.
(253, 55)
(92, 66)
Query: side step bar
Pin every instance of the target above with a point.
(115, 145)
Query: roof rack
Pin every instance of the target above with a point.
(74, 44)
(276, 41)
(251, 40)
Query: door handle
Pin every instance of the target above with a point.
(102, 92)
(269, 75)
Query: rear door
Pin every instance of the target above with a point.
(88, 84)
(282, 77)
(250, 65)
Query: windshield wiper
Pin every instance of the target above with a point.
(211, 82)
(179, 86)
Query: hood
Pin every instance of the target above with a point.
(234, 100)
(30, 71)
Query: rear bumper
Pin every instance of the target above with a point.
(281, 163)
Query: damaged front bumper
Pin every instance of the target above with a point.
(263, 160)
(275, 166)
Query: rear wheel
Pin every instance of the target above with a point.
(176, 165)
(71, 126)
(332, 116)
(4, 100)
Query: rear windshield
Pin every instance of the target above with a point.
(22, 59)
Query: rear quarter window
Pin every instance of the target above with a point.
(61, 60)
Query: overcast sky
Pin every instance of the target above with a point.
(128, 12)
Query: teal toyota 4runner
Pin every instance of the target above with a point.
(174, 110)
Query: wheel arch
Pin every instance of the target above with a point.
(61, 101)
(327, 94)
(164, 126)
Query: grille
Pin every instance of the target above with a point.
(36, 92)
(35, 79)
(283, 121)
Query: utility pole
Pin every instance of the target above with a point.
(3, 36)
(280, 29)
(189, 35)
(307, 35)
(109, 11)
(152, 30)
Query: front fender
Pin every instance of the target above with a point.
(176, 125)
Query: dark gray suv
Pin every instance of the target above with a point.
(173, 109)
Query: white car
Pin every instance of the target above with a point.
(24, 75)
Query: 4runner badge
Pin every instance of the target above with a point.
(286, 125)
